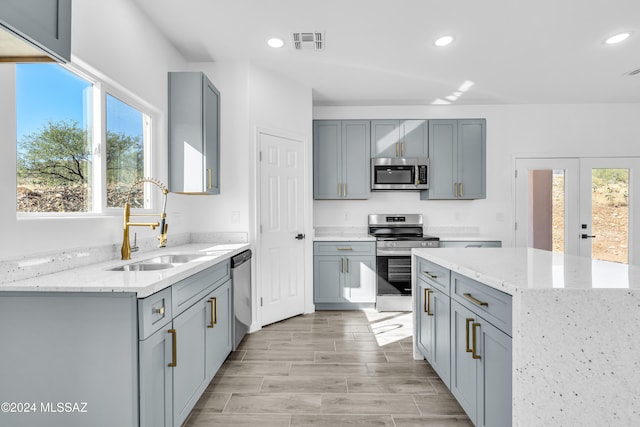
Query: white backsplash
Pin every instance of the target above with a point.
(40, 264)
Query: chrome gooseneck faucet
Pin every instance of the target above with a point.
(126, 246)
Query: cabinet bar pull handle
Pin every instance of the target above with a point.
(339, 188)
(403, 149)
(344, 190)
(468, 321)
(427, 301)
(341, 265)
(397, 143)
(345, 249)
(475, 300)
(159, 310)
(474, 353)
(431, 276)
(347, 265)
(214, 312)
(460, 192)
(455, 189)
(174, 348)
(209, 178)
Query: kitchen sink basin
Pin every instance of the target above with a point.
(173, 259)
(162, 262)
(143, 266)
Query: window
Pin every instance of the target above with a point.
(125, 153)
(53, 112)
(79, 147)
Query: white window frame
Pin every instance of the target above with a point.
(101, 86)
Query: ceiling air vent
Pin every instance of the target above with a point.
(308, 41)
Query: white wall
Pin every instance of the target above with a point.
(117, 41)
(548, 130)
(251, 98)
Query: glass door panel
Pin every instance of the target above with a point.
(546, 204)
(605, 228)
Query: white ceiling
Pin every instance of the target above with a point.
(381, 52)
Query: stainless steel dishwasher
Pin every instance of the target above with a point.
(241, 277)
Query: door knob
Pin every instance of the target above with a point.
(300, 236)
(585, 236)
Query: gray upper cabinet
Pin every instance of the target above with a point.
(457, 153)
(399, 138)
(35, 30)
(341, 159)
(194, 134)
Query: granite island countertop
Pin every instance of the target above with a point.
(520, 269)
(574, 336)
(99, 278)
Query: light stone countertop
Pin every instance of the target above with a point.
(342, 234)
(574, 336)
(465, 237)
(347, 237)
(519, 269)
(98, 278)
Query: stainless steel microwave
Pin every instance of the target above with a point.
(399, 174)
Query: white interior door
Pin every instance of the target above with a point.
(282, 248)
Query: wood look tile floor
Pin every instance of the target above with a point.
(329, 368)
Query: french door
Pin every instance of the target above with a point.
(579, 206)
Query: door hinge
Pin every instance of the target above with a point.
(260, 301)
(516, 173)
(260, 155)
(515, 226)
(260, 228)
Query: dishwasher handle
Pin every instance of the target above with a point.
(241, 258)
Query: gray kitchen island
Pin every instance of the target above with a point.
(526, 337)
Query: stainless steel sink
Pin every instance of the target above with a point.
(162, 262)
(173, 259)
(141, 266)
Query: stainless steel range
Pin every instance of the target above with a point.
(395, 236)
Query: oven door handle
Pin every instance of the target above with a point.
(393, 252)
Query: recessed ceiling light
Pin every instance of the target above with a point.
(617, 38)
(275, 42)
(443, 41)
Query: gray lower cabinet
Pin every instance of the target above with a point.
(341, 159)
(480, 368)
(457, 154)
(69, 347)
(42, 24)
(344, 274)
(156, 380)
(399, 138)
(178, 361)
(433, 332)
(115, 359)
(470, 349)
(194, 134)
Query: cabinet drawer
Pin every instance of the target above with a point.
(344, 248)
(154, 312)
(492, 304)
(188, 291)
(434, 275)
